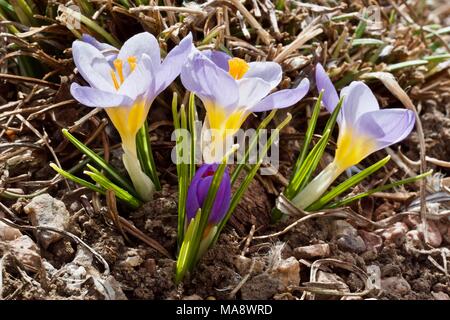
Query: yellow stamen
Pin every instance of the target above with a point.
(114, 79)
(119, 67)
(238, 68)
(132, 62)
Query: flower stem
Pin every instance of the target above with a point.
(318, 186)
(141, 182)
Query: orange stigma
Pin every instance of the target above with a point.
(238, 68)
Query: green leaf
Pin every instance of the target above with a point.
(182, 172)
(406, 64)
(309, 133)
(362, 25)
(126, 198)
(185, 253)
(367, 42)
(117, 178)
(145, 155)
(348, 200)
(248, 179)
(301, 174)
(75, 179)
(344, 186)
(98, 177)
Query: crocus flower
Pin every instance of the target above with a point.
(231, 89)
(363, 129)
(198, 190)
(125, 83)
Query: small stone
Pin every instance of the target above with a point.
(373, 241)
(193, 297)
(395, 285)
(47, 211)
(351, 243)
(336, 282)
(395, 233)
(8, 233)
(26, 251)
(434, 236)
(243, 265)
(440, 295)
(414, 238)
(260, 287)
(133, 259)
(412, 221)
(341, 228)
(313, 251)
(287, 271)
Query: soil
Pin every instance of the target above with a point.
(320, 258)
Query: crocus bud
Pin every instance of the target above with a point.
(198, 191)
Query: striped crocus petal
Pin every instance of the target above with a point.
(365, 128)
(198, 191)
(231, 92)
(110, 52)
(330, 97)
(126, 87)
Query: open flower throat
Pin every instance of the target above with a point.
(117, 74)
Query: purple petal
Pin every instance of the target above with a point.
(330, 97)
(268, 71)
(172, 64)
(358, 100)
(387, 126)
(198, 191)
(136, 46)
(139, 81)
(222, 201)
(283, 99)
(92, 66)
(251, 91)
(219, 58)
(107, 50)
(93, 97)
(192, 204)
(211, 83)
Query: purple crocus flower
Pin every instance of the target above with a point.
(231, 89)
(198, 190)
(125, 83)
(363, 129)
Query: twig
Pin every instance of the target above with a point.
(266, 38)
(243, 281)
(14, 78)
(307, 34)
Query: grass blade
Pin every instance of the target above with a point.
(352, 181)
(348, 200)
(145, 155)
(117, 178)
(98, 177)
(248, 179)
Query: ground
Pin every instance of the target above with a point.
(377, 248)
